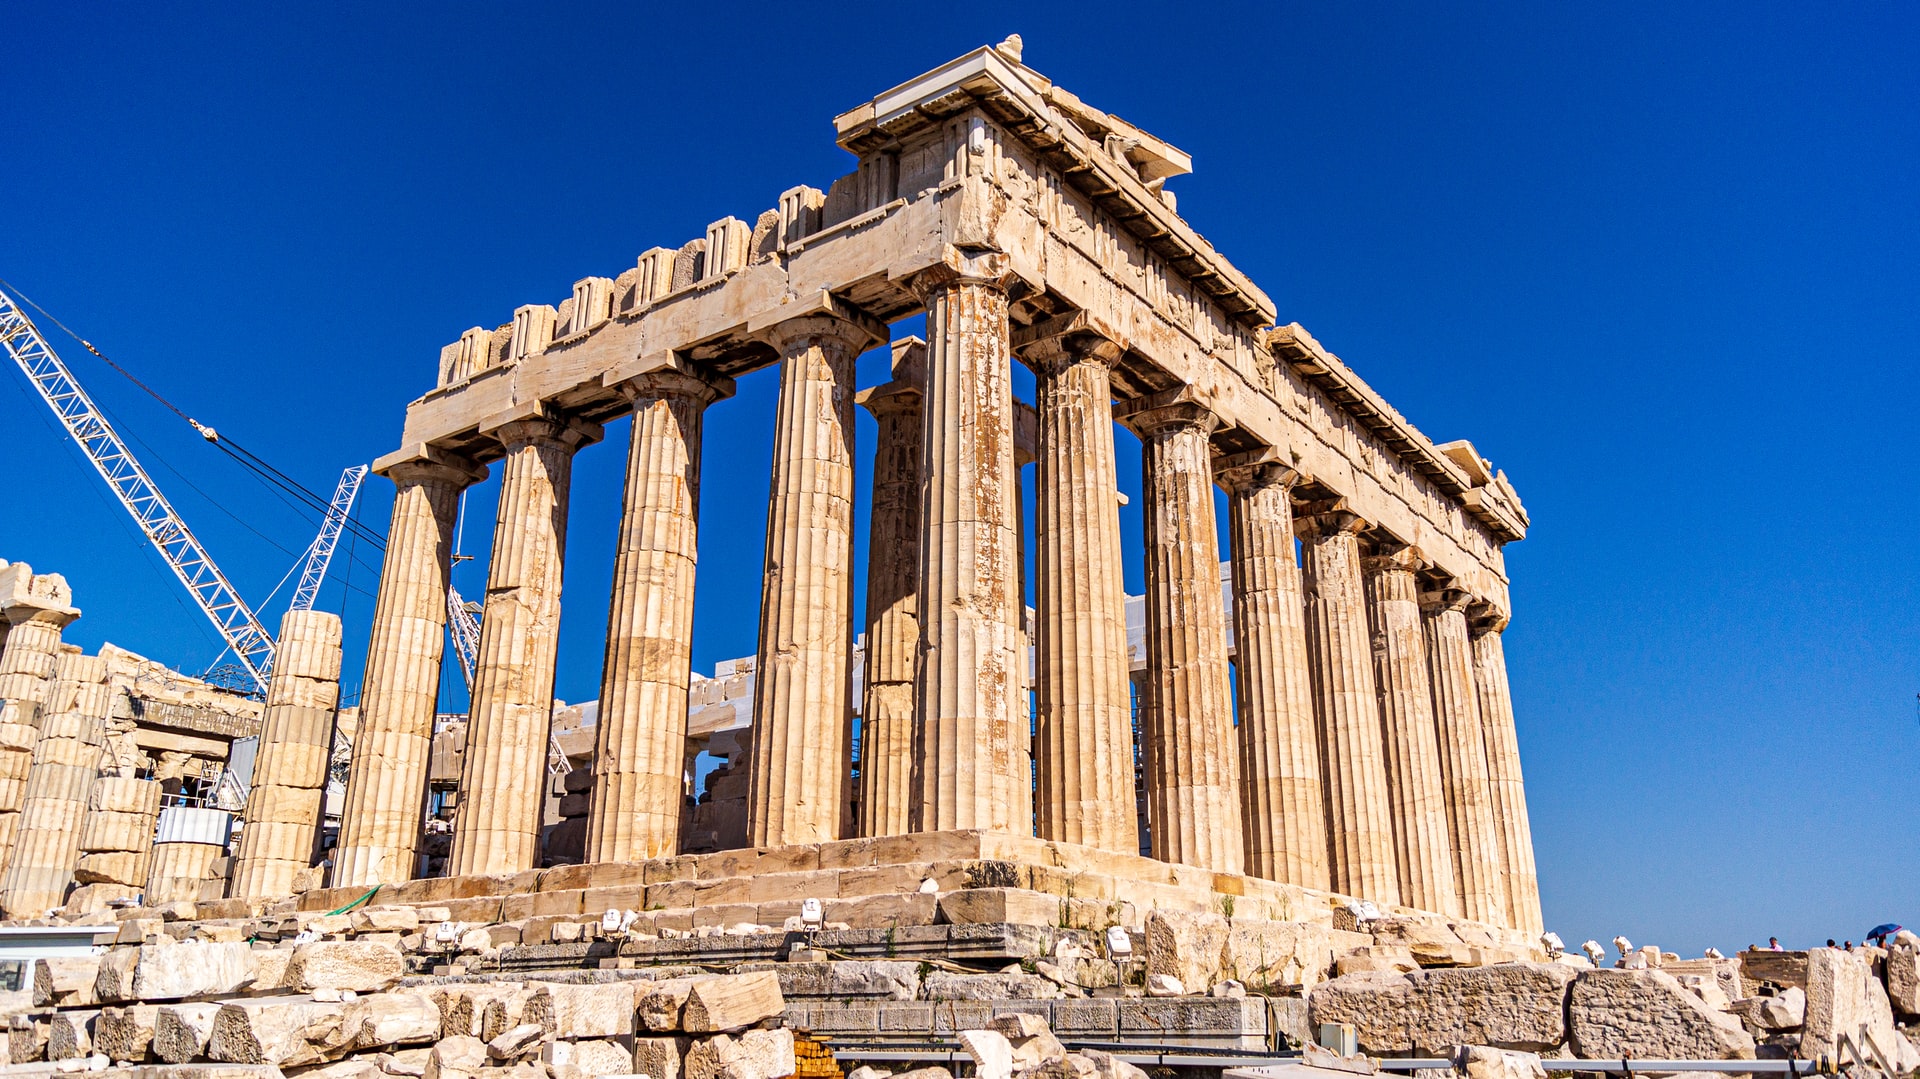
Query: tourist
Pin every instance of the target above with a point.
(1773, 945)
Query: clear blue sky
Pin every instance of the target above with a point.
(1657, 261)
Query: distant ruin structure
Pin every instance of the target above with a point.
(1370, 750)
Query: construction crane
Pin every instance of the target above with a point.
(158, 521)
(320, 554)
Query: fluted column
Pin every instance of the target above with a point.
(972, 708)
(281, 823)
(1419, 799)
(66, 760)
(1360, 853)
(1463, 759)
(1193, 802)
(893, 587)
(639, 765)
(38, 607)
(802, 696)
(1085, 746)
(503, 780)
(1508, 788)
(1282, 801)
(387, 782)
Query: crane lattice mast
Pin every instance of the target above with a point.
(320, 555)
(251, 643)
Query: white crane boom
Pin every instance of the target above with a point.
(251, 643)
(320, 554)
(465, 629)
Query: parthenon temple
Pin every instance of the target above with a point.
(1365, 746)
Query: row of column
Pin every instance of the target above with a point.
(1370, 754)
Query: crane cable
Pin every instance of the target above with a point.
(244, 456)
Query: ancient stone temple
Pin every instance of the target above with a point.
(1366, 748)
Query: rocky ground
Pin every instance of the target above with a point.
(407, 990)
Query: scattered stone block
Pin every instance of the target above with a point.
(755, 1054)
(660, 1007)
(515, 1041)
(1903, 977)
(602, 1010)
(732, 1002)
(992, 1053)
(181, 971)
(180, 1031)
(1846, 1007)
(1783, 1011)
(1647, 1013)
(1510, 1006)
(1269, 956)
(660, 1058)
(456, 1057)
(126, 1033)
(407, 1018)
(1485, 1062)
(361, 966)
(70, 1035)
(1186, 946)
(64, 982)
(591, 1058)
(287, 1032)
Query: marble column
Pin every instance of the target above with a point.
(503, 780)
(1360, 853)
(639, 770)
(1463, 759)
(1283, 806)
(1509, 789)
(1193, 799)
(38, 607)
(802, 706)
(893, 587)
(66, 760)
(1419, 799)
(381, 818)
(1085, 745)
(972, 708)
(281, 823)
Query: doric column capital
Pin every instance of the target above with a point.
(40, 598)
(1445, 601)
(1484, 618)
(1320, 519)
(540, 424)
(1391, 557)
(674, 383)
(430, 464)
(22, 614)
(1060, 342)
(909, 382)
(1161, 412)
(1256, 470)
(983, 269)
(841, 328)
